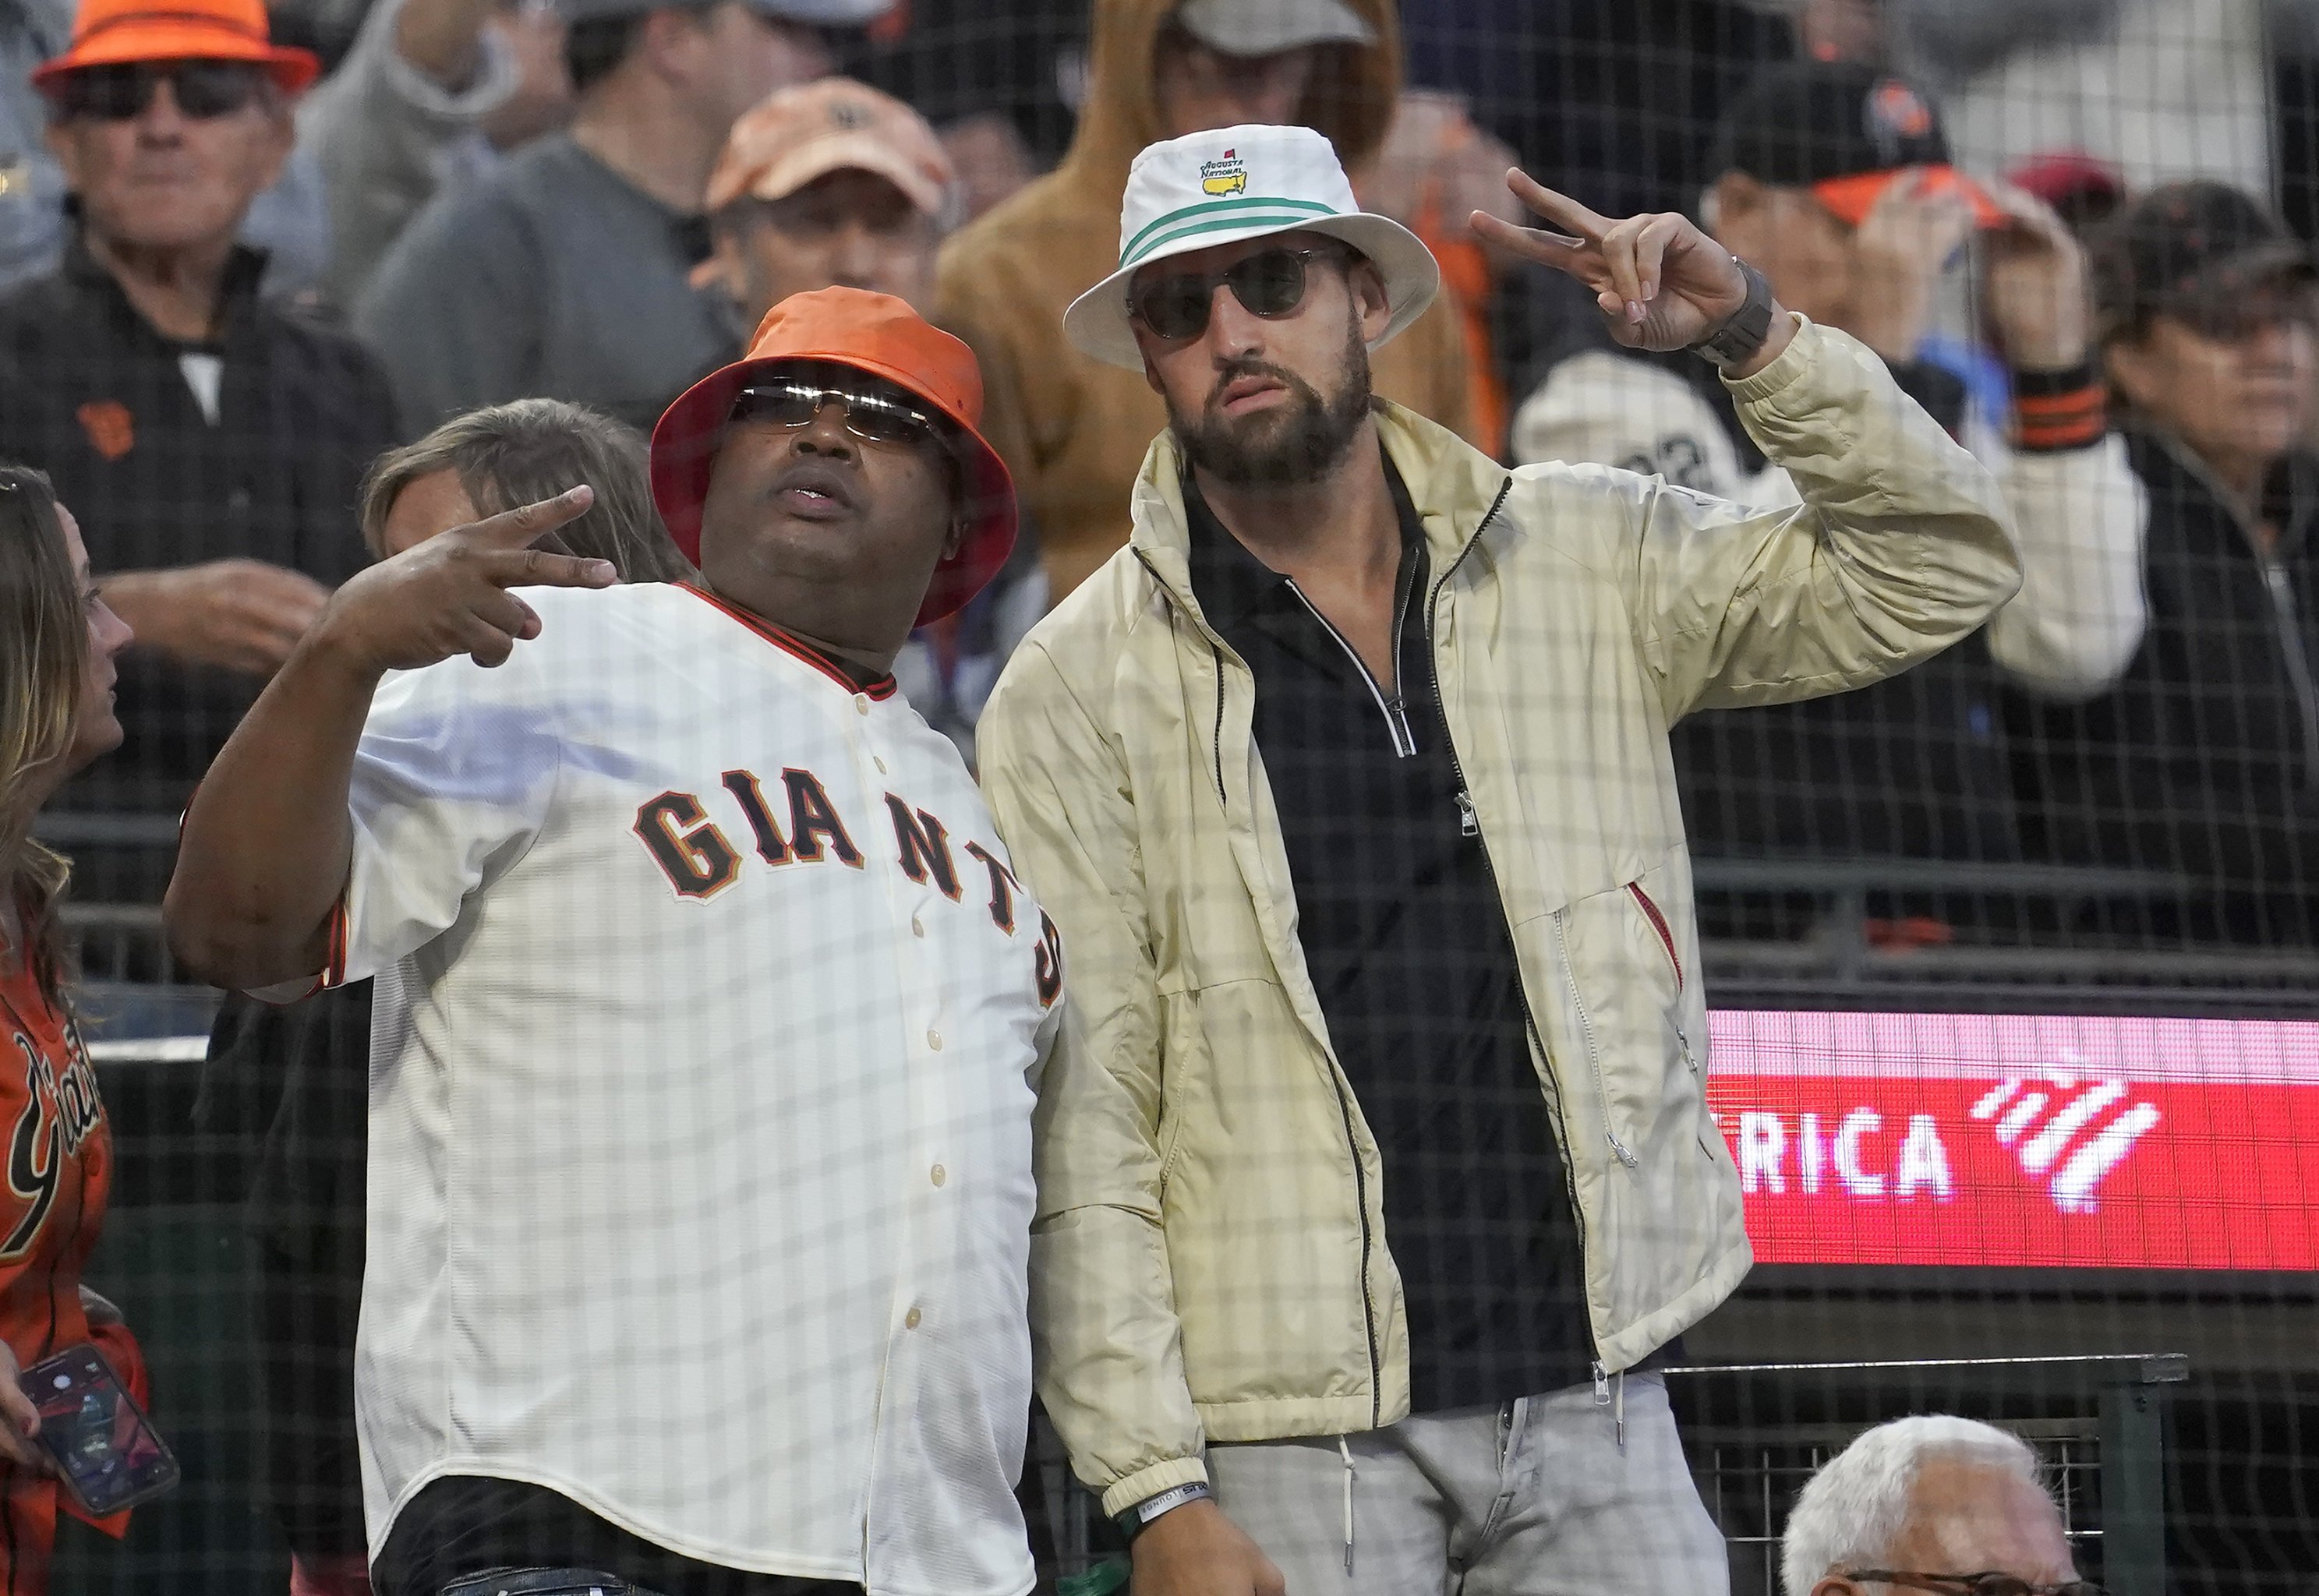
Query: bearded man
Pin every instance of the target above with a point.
(1374, 1161)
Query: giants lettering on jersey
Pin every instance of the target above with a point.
(699, 860)
(60, 1109)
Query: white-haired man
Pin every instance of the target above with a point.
(1930, 1503)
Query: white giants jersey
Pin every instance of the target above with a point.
(705, 1046)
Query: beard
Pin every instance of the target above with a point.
(1288, 445)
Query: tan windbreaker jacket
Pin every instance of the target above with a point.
(1209, 1261)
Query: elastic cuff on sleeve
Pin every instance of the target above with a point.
(1152, 1481)
(2060, 409)
(1789, 364)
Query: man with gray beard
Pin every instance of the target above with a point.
(1375, 1166)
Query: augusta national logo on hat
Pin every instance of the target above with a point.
(1226, 174)
(1232, 184)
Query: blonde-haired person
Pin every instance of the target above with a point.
(306, 1204)
(507, 456)
(58, 643)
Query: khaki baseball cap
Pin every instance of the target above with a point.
(1267, 27)
(795, 135)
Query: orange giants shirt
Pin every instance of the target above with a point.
(59, 1168)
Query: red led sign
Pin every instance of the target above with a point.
(2059, 1141)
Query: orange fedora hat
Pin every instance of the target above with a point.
(871, 332)
(123, 32)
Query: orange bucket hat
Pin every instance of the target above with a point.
(124, 32)
(871, 332)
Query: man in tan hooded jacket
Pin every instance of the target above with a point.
(1073, 432)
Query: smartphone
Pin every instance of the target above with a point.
(108, 1455)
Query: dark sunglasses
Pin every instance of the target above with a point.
(1271, 285)
(870, 416)
(1969, 1584)
(201, 89)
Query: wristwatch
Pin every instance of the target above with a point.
(1137, 1519)
(1743, 331)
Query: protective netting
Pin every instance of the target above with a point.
(2009, 961)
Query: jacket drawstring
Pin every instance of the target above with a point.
(1611, 1391)
(1344, 1451)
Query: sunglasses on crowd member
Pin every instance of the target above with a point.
(1969, 1584)
(872, 417)
(1270, 285)
(201, 89)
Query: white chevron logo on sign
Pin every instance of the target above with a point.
(2054, 1123)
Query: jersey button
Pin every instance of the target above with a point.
(939, 1175)
(934, 1039)
(860, 703)
(879, 762)
(917, 926)
(910, 1320)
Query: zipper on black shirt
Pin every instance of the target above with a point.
(1396, 717)
(1472, 825)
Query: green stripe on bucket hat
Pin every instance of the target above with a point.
(1211, 214)
(1238, 182)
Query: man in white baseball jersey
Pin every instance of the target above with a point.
(709, 1010)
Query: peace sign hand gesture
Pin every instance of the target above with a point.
(1661, 283)
(449, 595)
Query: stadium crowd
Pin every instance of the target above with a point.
(271, 313)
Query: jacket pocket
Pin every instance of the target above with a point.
(1626, 995)
(1664, 932)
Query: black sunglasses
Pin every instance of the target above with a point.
(201, 89)
(1270, 285)
(870, 416)
(1969, 1584)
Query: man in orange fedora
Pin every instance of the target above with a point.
(700, 1122)
(209, 439)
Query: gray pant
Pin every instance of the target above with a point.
(1536, 1498)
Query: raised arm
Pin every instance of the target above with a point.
(2080, 513)
(267, 838)
(1660, 283)
(1901, 546)
(421, 74)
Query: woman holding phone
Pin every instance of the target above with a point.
(58, 643)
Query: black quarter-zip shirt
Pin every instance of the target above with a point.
(1406, 941)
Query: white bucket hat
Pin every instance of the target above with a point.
(1207, 189)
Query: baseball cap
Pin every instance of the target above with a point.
(818, 13)
(871, 332)
(1267, 27)
(1245, 182)
(2194, 249)
(123, 32)
(795, 135)
(1843, 130)
(2070, 181)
